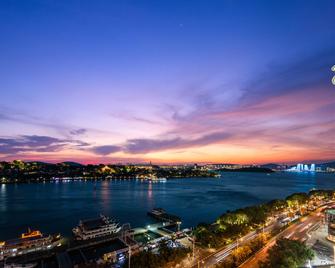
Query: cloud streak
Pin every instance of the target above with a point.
(35, 143)
(144, 146)
(106, 149)
(79, 131)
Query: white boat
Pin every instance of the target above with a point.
(32, 241)
(94, 228)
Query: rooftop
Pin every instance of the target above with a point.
(93, 223)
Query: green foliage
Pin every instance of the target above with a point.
(231, 225)
(19, 171)
(321, 194)
(209, 235)
(288, 254)
(241, 254)
(297, 199)
(276, 206)
(145, 259)
(259, 242)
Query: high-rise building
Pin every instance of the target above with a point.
(303, 167)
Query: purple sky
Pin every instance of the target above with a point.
(167, 81)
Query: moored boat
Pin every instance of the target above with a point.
(94, 228)
(32, 241)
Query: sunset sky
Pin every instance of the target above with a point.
(167, 81)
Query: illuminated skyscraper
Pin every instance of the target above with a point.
(302, 168)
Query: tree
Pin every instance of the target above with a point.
(321, 194)
(287, 254)
(207, 234)
(145, 259)
(297, 199)
(240, 254)
(276, 205)
(257, 243)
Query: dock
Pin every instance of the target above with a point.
(161, 215)
(107, 249)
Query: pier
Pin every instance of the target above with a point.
(107, 249)
(167, 219)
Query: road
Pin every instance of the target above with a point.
(296, 231)
(224, 252)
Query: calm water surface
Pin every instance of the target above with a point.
(57, 207)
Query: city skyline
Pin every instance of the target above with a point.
(168, 82)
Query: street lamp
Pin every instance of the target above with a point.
(129, 253)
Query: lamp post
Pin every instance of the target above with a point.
(193, 247)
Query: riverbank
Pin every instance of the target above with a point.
(233, 224)
(21, 172)
(40, 205)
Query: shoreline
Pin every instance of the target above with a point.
(93, 179)
(52, 195)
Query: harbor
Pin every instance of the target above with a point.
(95, 241)
(60, 207)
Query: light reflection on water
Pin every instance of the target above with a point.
(3, 200)
(3, 189)
(150, 191)
(58, 207)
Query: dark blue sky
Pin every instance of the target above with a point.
(173, 79)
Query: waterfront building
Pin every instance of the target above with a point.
(330, 219)
(94, 228)
(302, 168)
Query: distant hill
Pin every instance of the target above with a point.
(249, 169)
(328, 164)
(40, 163)
(271, 166)
(72, 164)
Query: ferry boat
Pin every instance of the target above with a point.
(32, 241)
(94, 228)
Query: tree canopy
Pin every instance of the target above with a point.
(288, 254)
